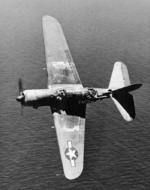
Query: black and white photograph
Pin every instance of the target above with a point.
(74, 95)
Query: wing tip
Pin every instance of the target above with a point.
(47, 18)
(120, 64)
(72, 176)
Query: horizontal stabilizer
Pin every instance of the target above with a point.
(128, 88)
(119, 77)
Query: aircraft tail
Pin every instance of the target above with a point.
(120, 88)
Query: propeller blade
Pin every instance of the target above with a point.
(20, 85)
(20, 98)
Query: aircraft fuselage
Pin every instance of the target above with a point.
(48, 97)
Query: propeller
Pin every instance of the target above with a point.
(20, 85)
(20, 98)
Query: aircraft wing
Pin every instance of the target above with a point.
(60, 66)
(69, 115)
(70, 127)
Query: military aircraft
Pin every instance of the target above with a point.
(67, 97)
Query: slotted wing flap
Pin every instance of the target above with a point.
(60, 66)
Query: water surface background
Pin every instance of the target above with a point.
(99, 32)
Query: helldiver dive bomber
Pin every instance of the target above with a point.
(67, 97)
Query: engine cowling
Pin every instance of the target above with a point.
(34, 95)
(36, 98)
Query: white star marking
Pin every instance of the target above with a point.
(71, 153)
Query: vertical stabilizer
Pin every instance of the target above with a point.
(124, 103)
